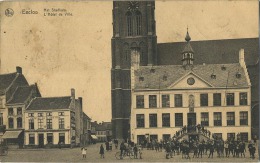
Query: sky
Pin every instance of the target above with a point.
(63, 52)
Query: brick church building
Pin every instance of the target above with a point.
(134, 31)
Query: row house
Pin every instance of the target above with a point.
(9, 83)
(15, 108)
(51, 122)
(166, 98)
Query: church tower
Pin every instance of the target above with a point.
(134, 32)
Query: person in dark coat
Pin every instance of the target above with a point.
(168, 150)
(122, 149)
(250, 147)
(201, 149)
(211, 150)
(253, 151)
(107, 145)
(102, 151)
(135, 151)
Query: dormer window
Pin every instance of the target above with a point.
(238, 75)
(141, 78)
(164, 77)
(223, 68)
(213, 76)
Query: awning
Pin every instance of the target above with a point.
(11, 134)
(94, 137)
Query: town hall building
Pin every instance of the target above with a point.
(167, 97)
(214, 72)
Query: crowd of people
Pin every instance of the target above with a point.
(195, 147)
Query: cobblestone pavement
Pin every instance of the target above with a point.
(74, 155)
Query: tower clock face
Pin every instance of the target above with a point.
(190, 81)
(133, 5)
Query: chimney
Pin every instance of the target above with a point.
(73, 98)
(242, 57)
(19, 70)
(73, 93)
(81, 104)
(34, 92)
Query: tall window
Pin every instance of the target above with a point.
(166, 120)
(1, 119)
(178, 119)
(153, 137)
(204, 99)
(19, 122)
(19, 111)
(230, 118)
(49, 138)
(165, 101)
(153, 120)
(11, 122)
(62, 138)
(140, 101)
(152, 101)
(178, 100)
(31, 123)
(139, 120)
(166, 137)
(243, 98)
(217, 99)
(129, 19)
(10, 111)
(61, 123)
(204, 119)
(244, 136)
(49, 123)
(218, 135)
(230, 99)
(244, 118)
(217, 119)
(40, 123)
(138, 23)
(31, 139)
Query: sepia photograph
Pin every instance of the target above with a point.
(129, 81)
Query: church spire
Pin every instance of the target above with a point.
(187, 38)
(187, 53)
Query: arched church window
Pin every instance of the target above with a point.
(126, 52)
(142, 52)
(138, 17)
(129, 19)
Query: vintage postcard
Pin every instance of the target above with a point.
(133, 81)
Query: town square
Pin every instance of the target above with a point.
(74, 155)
